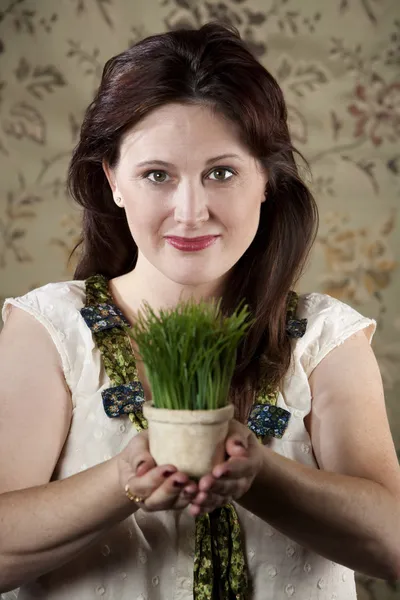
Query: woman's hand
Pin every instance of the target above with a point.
(160, 486)
(231, 479)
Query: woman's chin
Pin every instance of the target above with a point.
(193, 277)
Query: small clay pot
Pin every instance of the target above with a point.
(191, 440)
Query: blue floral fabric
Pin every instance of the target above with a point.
(103, 316)
(123, 399)
(268, 420)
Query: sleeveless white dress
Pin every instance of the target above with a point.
(150, 556)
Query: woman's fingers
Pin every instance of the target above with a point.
(143, 485)
(234, 468)
(231, 488)
(210, 499)
(206, 503)
(237, 447)
(135, 455)
(169, 495)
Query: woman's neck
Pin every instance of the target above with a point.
(131, 290)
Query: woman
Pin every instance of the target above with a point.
(186, 174)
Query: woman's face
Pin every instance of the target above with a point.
(184, 174)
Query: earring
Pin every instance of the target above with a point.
(118, 200)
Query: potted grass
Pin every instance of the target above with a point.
(189, 355)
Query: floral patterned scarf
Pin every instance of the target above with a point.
(219, 552)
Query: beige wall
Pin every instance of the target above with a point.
(336, 61)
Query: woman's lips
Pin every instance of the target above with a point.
(191, 244)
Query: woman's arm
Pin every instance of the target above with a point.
(44, 525)
(348, 512)
(350, 520)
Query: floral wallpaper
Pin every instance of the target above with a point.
(338, 63)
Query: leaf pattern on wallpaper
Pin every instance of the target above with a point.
(71, 225)
(301, 77)
(293, 22)
(103, 6)
(3, 143)
(336, 123)
(39, 80)
(367, 6)
(20, 209)
(22, 205)
(323, 186)
(393, 164)
(298, 125)
(362, 62)
(298, 79)
(86, 59)
(367, 167)
(25, 121)
(75, 126)
(26, 19)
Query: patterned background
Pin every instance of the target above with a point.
(338, 63)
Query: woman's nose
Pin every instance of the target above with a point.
(191, 205)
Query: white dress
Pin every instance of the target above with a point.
(149, 556)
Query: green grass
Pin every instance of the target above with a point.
(189, 353)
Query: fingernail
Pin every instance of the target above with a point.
(239, 443)
(178, 484)
(139, 465)
(167, 472)
(224, 474)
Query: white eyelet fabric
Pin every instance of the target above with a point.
(150, 556)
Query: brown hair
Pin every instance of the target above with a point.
(210, 65)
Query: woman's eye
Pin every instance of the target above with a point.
(157, 176)
(221, 174)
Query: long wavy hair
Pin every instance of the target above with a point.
(211, 66)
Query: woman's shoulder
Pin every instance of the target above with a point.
(330, 322)
(318, 307)
(57, 307)
(49, 298)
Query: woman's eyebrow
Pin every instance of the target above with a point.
(163, 163)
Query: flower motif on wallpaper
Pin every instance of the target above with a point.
(277, 15)
(195, 13)
(376, 111)
(359, 263)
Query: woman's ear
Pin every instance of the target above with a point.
(265, 194)
(109, 173)
(266, 184)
